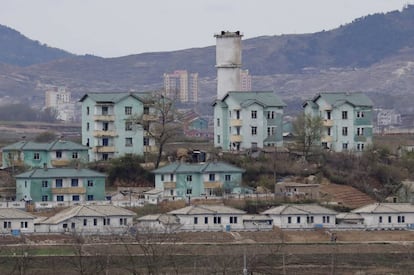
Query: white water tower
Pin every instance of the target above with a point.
(228, 62)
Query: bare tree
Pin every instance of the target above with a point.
(308, 130)
(160, 121)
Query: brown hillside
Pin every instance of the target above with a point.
(345, 195)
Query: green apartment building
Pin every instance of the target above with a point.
(58, 153)
(108, 128)
(60, 185)
(347, 120)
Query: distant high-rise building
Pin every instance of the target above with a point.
(181, 85)
(245, 80)
(59, 99)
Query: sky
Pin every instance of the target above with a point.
(113, 28)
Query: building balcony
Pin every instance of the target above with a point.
(147, 117)
(170, 185)
(68, 190)
(104, 117)
(60, 162)
(236, 122)
(97, 133)
(104, 149)
(212, 184)
(360, 138)
(328, 122)
(236, 138)
(327, 139)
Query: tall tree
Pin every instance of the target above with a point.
(308, 130)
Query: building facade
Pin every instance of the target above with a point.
(60, 100)
(60, 185)
(58, 153)
(115, 124)
(189, 180)
(245, 80)
(248, 120)
(181, 86)
(347, 120)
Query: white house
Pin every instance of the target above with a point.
(88, 219)
(158, 223)
(15, 221)
(301, 216)
(387, 215)
(257, 222)
(209, 218)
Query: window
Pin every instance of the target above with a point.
(254, 114)
(344, 131)
(87, 110)
(212, 177)
(105, 142)
(325, 219)
(36, 156)
(297, 219)
(189, 191)
(189, 178)
(45, 184)
(7, 224)
(59, 198)
(271, 131)
(380, 219)
(74, 183)
(145, 126)
(146, 141)
(205, 220)
(104, 110)
(270, 114)
(218, 138)
(328, 115)
(128, 110)
(58, 183)
(237, 114)
(344, 114)
(122, 221)
(289, 219)
(85, 222)
(162, 177)
(87, 126)
(45, 198)
(90, 183)
(218, 122)
(227, 177)
(233, 219)
(146, 111)
(329, 131)
(128, 142)
(389, 219)
(95, 222)
(309, 219)
(74, 155)
(360, 114)
(58, 154)
(128, 125)
(360, 146)
(217, 220)
(195, 220)
(106, 221)
(23, 225)
(254, 130)
(105, 126)
(345, 146)
(90, 197)
(360, 131)
(75, 198)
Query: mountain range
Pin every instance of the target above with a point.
(373, 54)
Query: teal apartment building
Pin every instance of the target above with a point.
(189, 180)
(248, 120)
(58, 153)
(347, 120)
(108, 128)
(60, 185)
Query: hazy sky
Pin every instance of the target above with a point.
(111, 28)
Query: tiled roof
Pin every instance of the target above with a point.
(207, 167)
(60, 172)
(88, 211)
(116, 97)
(163, 218)
(264, 98)
(298, 209)
(386, 208)
(45, 146)
(206, 209)
(336, 99)
(12, 213)
(349, 216)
